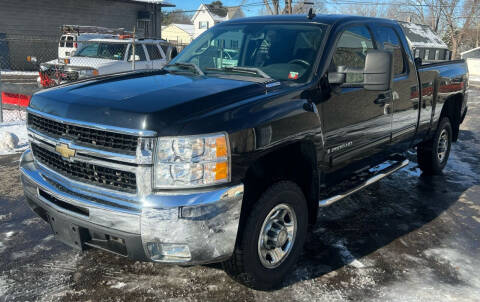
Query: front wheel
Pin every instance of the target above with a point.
(272, 238)
(433, 155)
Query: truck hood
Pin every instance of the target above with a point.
(146, 100)
(85, 62)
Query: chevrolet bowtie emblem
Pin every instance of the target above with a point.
(65, 151)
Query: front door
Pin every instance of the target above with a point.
(357, 122)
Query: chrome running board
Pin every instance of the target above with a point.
(378, 176)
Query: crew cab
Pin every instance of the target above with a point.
(211, 161)
(105, 56)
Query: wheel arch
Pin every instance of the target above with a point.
(452, 108)
(296, 162)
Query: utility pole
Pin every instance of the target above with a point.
(478, 29)
(133, 49)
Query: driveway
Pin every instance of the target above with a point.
(408, 238)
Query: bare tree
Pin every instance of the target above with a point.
(459, 20)
(272, 6)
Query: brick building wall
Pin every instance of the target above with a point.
(32, 27)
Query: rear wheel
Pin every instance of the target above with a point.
(272, 238)
(433, 155)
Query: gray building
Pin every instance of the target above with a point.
(32, 27)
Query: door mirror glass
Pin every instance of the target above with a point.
(378, 72)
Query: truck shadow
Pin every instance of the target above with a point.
(360, 225)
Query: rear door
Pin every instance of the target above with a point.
(405, 85)
(157, 58)
(141, 61)
(66, 46)
(357, 122)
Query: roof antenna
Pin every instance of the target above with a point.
(311, 15)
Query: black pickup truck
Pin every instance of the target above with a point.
(226, 154)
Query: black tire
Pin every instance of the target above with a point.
(428, 152)
(245, 265)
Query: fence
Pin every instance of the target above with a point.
(54, 65)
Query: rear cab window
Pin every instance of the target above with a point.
(389, 40)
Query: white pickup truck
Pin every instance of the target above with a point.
(106, 56)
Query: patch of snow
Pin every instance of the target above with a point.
(347, 257)
(13, 138)
(119, 285)
(14, 116)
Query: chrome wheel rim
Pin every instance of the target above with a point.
(277, 236)
(442, 146)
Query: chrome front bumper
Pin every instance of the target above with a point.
(177, 227)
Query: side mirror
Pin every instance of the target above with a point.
(336, 78)
(173, 53)
(137, 58)
(418, 62)
(378, 71)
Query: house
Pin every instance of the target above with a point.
(178, 33)
(424, 43)
(472, 57)
(208, 15)
(32, 27)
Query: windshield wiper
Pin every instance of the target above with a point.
(249, 70)
(192, 66)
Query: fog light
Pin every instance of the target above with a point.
(168, 252)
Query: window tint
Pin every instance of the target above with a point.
(154, 52)
(165, 49)
(390, 42)
(138, 52)
(111, 51)
(351, 51)
(260, 45)
(427, 54)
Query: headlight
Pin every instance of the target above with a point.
(87, 73)
(191, 161)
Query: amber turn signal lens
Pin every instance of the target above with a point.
(221, 144)
(221, 171)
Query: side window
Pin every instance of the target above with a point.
(389, 40)
(417, 53)
(69, 43)
(154, 52)
(427, 54)
(165, 49)
(138, 52)
(351, 51)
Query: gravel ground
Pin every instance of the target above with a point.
(408, 238)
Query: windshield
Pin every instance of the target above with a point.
(285, 52)
(112, 51)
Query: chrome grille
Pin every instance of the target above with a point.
(99, 139)
(85, 172)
